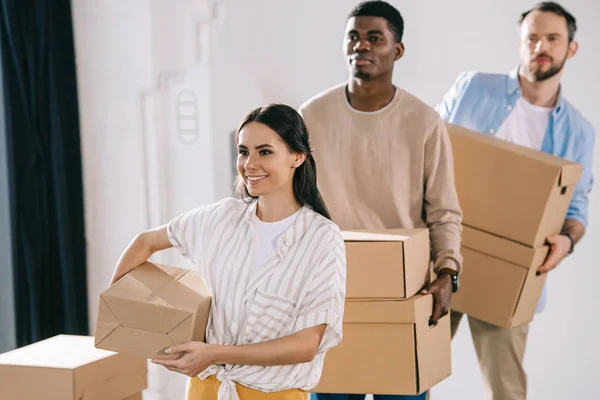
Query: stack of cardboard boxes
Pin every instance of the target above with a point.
(70, 368)
(512, 198)
(388, 346)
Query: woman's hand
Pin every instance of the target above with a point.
(301, 347)
(196, 357)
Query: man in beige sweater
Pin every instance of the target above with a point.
(383, 157)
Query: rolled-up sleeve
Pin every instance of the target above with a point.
(185, 231)
(578, 208)
(324, 301)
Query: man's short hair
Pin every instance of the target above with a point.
(378, 8)
(550, 6)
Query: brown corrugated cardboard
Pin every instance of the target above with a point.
(388, 348)
(152, 308)
(499, 284)
(70, 368)
(511, 191)
(137, 396)
(387, 263)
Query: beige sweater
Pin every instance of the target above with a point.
(387, 169)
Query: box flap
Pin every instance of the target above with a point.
(570, 174)
(145, 282)
(182, 332)
(490, 287)
(529, 296)
(194, 281)
(501, 248)
(138, 342)
(201, 320)
(139, 314)
(187, 293)
(407, 311)
(106, 321)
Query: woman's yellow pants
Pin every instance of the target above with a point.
(208, 389)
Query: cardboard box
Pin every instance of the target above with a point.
(511, 191)
(70, 368)
(152, 308)
(499, 284)
(137, 396)
(388, 348)
(386, 264)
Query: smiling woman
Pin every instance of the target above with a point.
(274, 263)
(275, 159)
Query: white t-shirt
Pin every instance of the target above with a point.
(526, 125)
(266, 235)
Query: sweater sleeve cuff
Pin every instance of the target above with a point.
(447, 263)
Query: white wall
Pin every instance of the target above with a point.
(144, 87)
(284, 51)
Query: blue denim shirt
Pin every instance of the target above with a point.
(482, 102)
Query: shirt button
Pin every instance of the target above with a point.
(492, 131)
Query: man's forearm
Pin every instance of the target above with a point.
(573, 228)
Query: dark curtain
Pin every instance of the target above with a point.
(44, 163)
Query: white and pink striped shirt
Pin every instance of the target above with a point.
(301, 284)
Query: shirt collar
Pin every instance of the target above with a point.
(250, 213)
(514, 88)
(299, 227)
(513, 81)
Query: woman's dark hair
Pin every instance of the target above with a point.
(290, 126)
